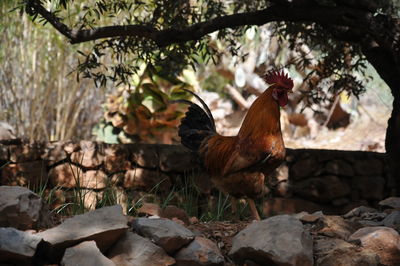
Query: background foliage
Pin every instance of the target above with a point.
(45, 93)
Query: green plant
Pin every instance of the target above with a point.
(143, 112)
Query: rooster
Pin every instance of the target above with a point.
(239, 164)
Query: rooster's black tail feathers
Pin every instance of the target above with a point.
(197, 124)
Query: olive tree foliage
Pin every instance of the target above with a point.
(171, 34)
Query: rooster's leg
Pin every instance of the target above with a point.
(253, 209)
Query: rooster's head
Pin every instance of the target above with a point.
(281, 84)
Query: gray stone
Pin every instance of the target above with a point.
(175, 158)
(303, 168)
(350, 257)
(392, 220)
(336, 226)
(324, 188)
(365, 185)
(324, 246)
(104, 226)
(305, 217)
(134, 250)
(279, 240)
(18, 246)
(392, 202)
(21, 208)
(339, 167)
(384, 241)
(359, 211)
(167, 234)
(200, 252)
(369, 167)
(86, 253)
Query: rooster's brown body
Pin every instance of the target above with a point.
(239, 164)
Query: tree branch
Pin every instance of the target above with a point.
(345, 16)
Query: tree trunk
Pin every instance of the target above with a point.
(385, 62)
(392, 143)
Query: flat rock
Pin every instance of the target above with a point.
(392, 202)
(359, 211)
(21, 208)
(18, 246)
(353, 256)
(104, 226)
(336, 226)
(200, 252)
(392, 220)
(167, 234)
(306, 217)
(325, 246)
(384, 241)
(86, 253)
(279, 240)
(134, 250)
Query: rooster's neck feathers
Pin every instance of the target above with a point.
(262, 118)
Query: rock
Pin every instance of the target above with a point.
(305, 217)
(274, 206)
(149, 209)
(146, 180)
(200, 252)
(365, 183)
(392, 220)
(32, 173)
(134, 250)
(90, 198)
(70, 176)
(324, 246)
(86, 253)
(26, 152)
(172, 211)
(54, 152)
(303, 168)
(359, 211)
(280, 177)
(350, 257)
(93, 179)
(384, 241)
(144, 155)
(339, 168)
(324, 188)
(22, 209)
(165, 233)
(175, 158)
(279, 240)
(6, 131)
(340, 202)
(373, 167)
(392, 202)
(116, 158)
(103, 225)
(88, 155)
(337, 227)
(18, 246)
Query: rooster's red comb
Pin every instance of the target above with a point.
(279, 78)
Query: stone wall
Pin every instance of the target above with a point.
(333, 181)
